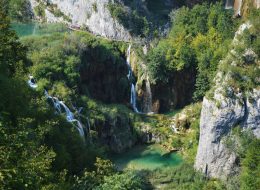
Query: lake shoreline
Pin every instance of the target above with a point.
(147, 157)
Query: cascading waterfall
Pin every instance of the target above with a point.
(61, 107)
(129, 76)
(128, 62)
(229, 4)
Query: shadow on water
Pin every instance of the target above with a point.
(146, 157)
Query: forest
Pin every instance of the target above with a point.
(86, 77)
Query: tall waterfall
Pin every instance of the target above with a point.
(229, 4)
(61, 107)
(147, 108)
(129, 76)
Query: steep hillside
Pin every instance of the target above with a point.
(129, 94)
(233, 103)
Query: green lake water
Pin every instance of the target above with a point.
(146, 157)
(28, 29)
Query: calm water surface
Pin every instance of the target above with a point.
(146, 157)
(28, 29)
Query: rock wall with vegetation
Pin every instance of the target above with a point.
(92, 15)
(40, 149)
(86, 72)
(182, 65)
(231, 105)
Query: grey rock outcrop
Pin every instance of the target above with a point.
(218, 117)
(228, 108)
(93, 14)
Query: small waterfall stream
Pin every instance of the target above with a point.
(31, 82)
(129, 76)
(148, 97)
(61, 107)
(229, 4)
(238, 5)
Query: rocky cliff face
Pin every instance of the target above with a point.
(117, 132)
(229, 107)
(218, 117)
(241, 6)
(92, 14)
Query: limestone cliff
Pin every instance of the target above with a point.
(231, 104)
(92, 14)
(241, 7)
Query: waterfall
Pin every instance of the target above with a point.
(129, 76)
(147, 108)
(133, 98)
(69, 114)
(128, 62)
(229, 4)
(31, 82)
(60, 107)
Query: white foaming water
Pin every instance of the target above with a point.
(133, 98)
(31, 82)
(129, 75)
(128, 62)
(60, 107)
(148, 97)
(229, 4)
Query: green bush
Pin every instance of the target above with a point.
(40, 10)
(137, 24)
(18, 10)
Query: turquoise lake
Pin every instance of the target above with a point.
(146, 157)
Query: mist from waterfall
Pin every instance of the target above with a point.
(129, 76)
(147, 108)
(61, 107)
(229, 4)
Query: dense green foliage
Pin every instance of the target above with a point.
(181, 178)
(198, 39)
(18, 10)
(246, 147)
(250, 170)
(105, 177)
(70, 64)
(137, 24)
(243, 75)
(25, 160)
(39, 149)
